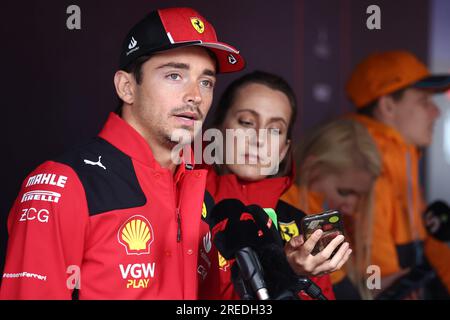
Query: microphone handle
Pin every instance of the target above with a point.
(252, 272)
(240, 286)
(262, 294)
(311, 289)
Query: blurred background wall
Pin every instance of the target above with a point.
(57, 87)
(437, 169)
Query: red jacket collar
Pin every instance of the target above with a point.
(125, 138)
(265, 193)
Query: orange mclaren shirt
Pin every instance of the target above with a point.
(399, 207)
(398, 202)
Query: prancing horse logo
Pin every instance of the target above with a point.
(198, 25)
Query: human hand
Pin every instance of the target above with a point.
(298, 253)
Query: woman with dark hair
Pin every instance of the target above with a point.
(262, 107)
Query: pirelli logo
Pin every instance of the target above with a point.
(42, 195)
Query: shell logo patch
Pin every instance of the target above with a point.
(288, 230)
(136, 235)
(198, 25)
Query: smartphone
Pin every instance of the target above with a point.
(331, 224)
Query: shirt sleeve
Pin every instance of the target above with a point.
(46, 228)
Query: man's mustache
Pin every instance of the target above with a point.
(193, 109)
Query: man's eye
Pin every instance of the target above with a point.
(174, 76)
(207, 83)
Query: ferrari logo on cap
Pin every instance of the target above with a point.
(198, 25)
(288, 230)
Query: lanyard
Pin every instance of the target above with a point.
(413, 230)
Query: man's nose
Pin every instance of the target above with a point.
(193, 95)
(435, 111)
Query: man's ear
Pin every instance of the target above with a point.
(385, 111)
(125, 86)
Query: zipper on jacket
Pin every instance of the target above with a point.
(179, 225)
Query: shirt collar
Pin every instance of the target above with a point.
(125, 138)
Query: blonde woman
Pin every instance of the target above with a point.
(337, 165)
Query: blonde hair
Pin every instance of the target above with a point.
(332, 148)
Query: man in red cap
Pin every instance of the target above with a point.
(393, 94)
(117, 218)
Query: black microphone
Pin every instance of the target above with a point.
(235, 234)
(240, 285)
(307, 285)
(280, 277)
(252, 272)
(251, 237)
(437, 221)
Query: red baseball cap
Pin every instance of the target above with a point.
(171, 28)
(386, 72)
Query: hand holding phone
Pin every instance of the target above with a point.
(331, 224)
(320, 233)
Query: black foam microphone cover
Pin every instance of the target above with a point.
(269, 231)
(437, 220)
(233, 228)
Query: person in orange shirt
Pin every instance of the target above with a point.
(393, 91)
(338, 164)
